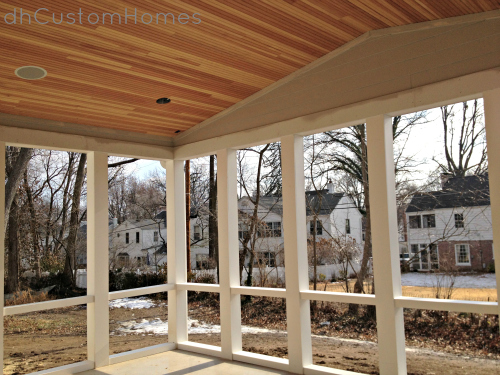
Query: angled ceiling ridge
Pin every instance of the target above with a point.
(367, 36)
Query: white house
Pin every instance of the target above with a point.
(452, 226)
(336, 216)
(142, 243)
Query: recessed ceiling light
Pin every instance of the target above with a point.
(163, 101)
(30, 72)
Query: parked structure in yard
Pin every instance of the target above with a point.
(336, 215)
(451, 227)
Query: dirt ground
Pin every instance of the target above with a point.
(42, 340)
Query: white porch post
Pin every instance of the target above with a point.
(492, 123)
(384, 227)
(176, 250)
(97, 258)
(2, 240)
(296, 265)
(230, 304)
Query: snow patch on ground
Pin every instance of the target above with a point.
(478, 281)
(195, 327)
(132, 303)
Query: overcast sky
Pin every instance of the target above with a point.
(425, 143)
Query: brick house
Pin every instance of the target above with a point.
(451, 227)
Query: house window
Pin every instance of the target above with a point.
(414, 249)
(429, 221)
(141, 261)
(347, 226)
(202, 261)
(267, 259)
(127, 238)
(319, 228)
(118, 235)
(462, 253)
(136, 237)
(123, 259)
(155, 237)
(242, 231)
(274, 229)
(415, 222)
(459, 220)
(197, 233)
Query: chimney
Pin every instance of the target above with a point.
(330, 187)
(445, 177)
(115, 222)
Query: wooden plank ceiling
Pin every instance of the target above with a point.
(111, 75)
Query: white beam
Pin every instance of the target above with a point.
(198, 287)
(384, 228)
(97, 258)
(295, 245)
(425, 97)
(21, 137)
(140, 291)
(227, 215)
(476, 307)
(492, 124)
(361, 299)
(2, 243)
(176, 251)
(261, 292)
(47, 305)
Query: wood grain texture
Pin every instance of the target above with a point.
(110, 76)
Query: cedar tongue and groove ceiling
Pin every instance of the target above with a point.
(110, 76)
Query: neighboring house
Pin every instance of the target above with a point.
(142, 243)
(336, 216)
(81, 250)
(137, 243)
(451, 227)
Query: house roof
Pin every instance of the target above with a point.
(320, 202)
(469, 191)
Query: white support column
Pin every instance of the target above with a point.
(2, 241)
(97, 258)
(384, 228)
(296, 265)
(227, 214)
(492, 123)
(176, 251)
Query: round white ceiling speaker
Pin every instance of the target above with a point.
(31, 72)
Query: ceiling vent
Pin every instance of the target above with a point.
(31, 72)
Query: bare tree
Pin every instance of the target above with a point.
(465, 144)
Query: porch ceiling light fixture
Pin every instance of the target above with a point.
(30, 72)
(163, 101)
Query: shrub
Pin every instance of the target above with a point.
(27, 296)
(491, 267)
(122, 280)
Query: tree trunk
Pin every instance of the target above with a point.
(213, 243)
(15, 175)
(13, 245)
(367, 250)
(187, 174)
(70, 263)
(33, 225)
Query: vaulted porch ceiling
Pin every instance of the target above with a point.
(109, 77)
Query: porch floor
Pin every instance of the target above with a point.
(178, 362)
